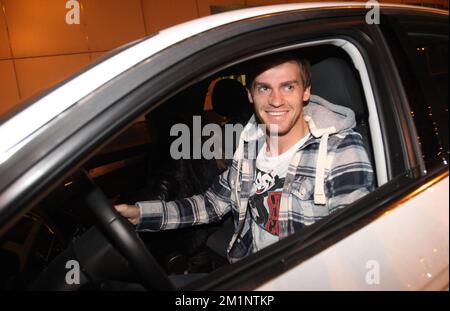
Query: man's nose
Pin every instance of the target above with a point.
(276, 98)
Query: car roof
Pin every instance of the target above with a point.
(17, 131)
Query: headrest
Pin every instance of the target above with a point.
(229, 98)
(333, 80)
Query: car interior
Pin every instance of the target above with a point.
(136, 165)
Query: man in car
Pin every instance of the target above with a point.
(303, 164)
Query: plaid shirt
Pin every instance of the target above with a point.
(347, 176)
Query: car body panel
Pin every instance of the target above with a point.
(404, 249)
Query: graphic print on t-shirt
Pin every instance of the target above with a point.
(265, 203)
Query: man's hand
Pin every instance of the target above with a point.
(130, 212)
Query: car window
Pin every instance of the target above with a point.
(425, 44)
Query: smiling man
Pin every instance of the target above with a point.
(278, 93)
(304, 163)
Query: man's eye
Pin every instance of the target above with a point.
(289, 87)
(263, 89)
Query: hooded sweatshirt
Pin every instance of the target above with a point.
(328, 172)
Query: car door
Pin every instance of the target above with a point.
(68, 140)
(407, 247)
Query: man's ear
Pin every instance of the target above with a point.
(307, 94)
(249, 95)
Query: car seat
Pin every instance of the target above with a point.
(334, 80)
(229, 99)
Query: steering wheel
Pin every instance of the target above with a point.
(123, 236)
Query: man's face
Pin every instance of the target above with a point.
(278, 96)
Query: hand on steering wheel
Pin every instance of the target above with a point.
(130, 212)
(123, 236)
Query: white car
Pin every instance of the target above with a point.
(103, 136)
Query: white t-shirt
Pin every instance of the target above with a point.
(266, 194)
